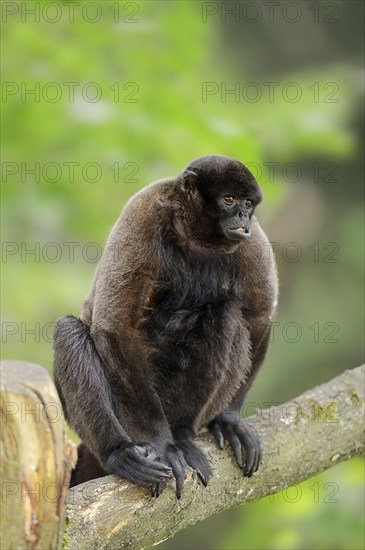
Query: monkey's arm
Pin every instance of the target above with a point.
(120, 416)
(228, 425)
(87, 400)
(260, 338)
(124, 292)
(259, 293)
(136, 403)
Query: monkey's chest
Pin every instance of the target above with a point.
(179, 333)
(200, 342)
(191, 315)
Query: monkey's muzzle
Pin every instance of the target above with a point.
(239, 232)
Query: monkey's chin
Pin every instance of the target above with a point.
(238, 233)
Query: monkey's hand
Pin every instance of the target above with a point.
(149, 465)
(134, 463)
(243, 440)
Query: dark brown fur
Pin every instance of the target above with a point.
(173, 331)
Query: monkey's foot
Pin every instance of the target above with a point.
(196, 459)
(243, 440)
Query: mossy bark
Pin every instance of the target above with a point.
(313, 432)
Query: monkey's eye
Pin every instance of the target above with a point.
(229, 200)
(247, 203)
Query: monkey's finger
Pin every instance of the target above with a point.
(217, 432)
(256, 463)
(143, 471)
(203, 478)
(158, 488)
(148, 463)
(130, 465)
(178, 464)
(249, 461)
(203, 471)
(256, 460)
(196, 459)
(145, 477)
(180, 476)
(251, 448)
(140, 476)
(236, 447)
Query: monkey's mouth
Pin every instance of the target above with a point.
(239, 232)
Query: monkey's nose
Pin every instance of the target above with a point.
(240, 214)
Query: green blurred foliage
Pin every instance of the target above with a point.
(162, 56)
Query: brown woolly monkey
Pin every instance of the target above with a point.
(173, 331)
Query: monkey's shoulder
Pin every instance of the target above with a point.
(131, 252)
(132, 240)
(147, 203)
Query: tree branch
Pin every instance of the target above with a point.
(299, 439)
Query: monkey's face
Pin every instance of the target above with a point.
(235, 216)
(227, 194)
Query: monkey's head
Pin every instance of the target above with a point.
(220, 197)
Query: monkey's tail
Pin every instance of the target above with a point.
(88, 467)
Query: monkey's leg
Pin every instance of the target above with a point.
(87, 399)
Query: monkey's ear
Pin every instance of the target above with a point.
(188, 179)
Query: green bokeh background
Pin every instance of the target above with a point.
(152, 63)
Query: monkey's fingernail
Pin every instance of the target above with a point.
(203, 479)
